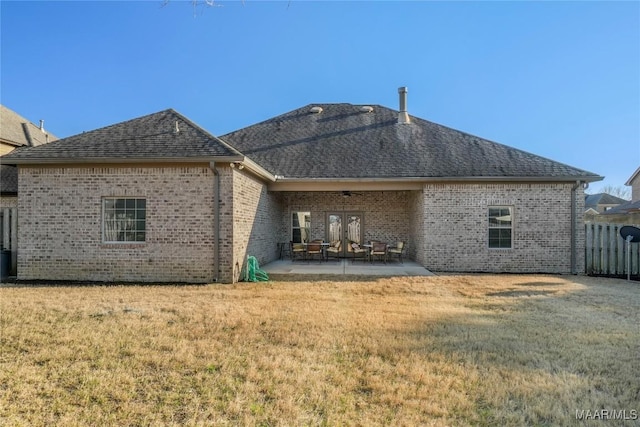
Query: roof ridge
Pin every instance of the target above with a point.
(125, 121)
(376, 145)
(204, 131)
(151, 136)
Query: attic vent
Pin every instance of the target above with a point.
(316, 110)
(366, 108)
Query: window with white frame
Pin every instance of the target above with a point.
(500, 227)
(123, 219)
(300, 226)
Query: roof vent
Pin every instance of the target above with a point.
(366, 108)
(316, 110)
(176, 130)
(42, 125)
(403, 116)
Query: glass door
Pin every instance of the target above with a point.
(347, 227)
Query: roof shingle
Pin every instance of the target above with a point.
(149, 137)
(345, 140)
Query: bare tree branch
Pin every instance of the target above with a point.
(198, 4)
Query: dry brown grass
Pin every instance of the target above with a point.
(447, 350)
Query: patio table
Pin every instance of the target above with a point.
(368, 246)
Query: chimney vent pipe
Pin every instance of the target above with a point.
(403, 116)
(42, 125)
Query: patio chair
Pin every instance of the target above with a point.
(397, 250)
(358, 252)
(297, 251)
(334, 249)
(314, 248)
(378, 249)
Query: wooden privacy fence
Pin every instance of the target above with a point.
(606, 251)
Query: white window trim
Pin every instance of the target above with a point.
(102, 220)
(511, 227)
(291, 226)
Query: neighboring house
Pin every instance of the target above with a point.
(634, 182)
(15, 132)
(601, 202)
(159, 199)
(628, 212)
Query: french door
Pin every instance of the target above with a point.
(348, 227)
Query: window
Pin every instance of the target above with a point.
(500, 227)
(300, 226)
(124, 220)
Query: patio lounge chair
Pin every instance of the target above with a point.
(397, 250)
(378, 249)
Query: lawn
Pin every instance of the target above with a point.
(483, 350)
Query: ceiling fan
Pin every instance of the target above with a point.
(347, 193)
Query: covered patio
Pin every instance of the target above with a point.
(347, 267)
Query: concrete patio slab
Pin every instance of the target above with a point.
(346, 266)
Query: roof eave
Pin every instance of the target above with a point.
(117, 160)
(630, 180)
(250, 165)
(12, 143)
(258, 170)
(584, 178)
(402, 183)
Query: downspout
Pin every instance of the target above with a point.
(573, 226)
(216, 221)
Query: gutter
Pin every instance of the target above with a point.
(257, 169)
(574, 209)
(8, 160)
(239, 160)
(216, 222)
(427, 179)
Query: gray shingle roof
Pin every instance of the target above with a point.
(16, 130)
(624, 208)
(150, 137)
(593, 200)
(345, 142)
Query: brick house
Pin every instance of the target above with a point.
(595, 204)
(628, 212)
(634, 182)
(159, 199)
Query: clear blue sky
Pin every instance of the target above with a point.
(558, 79)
